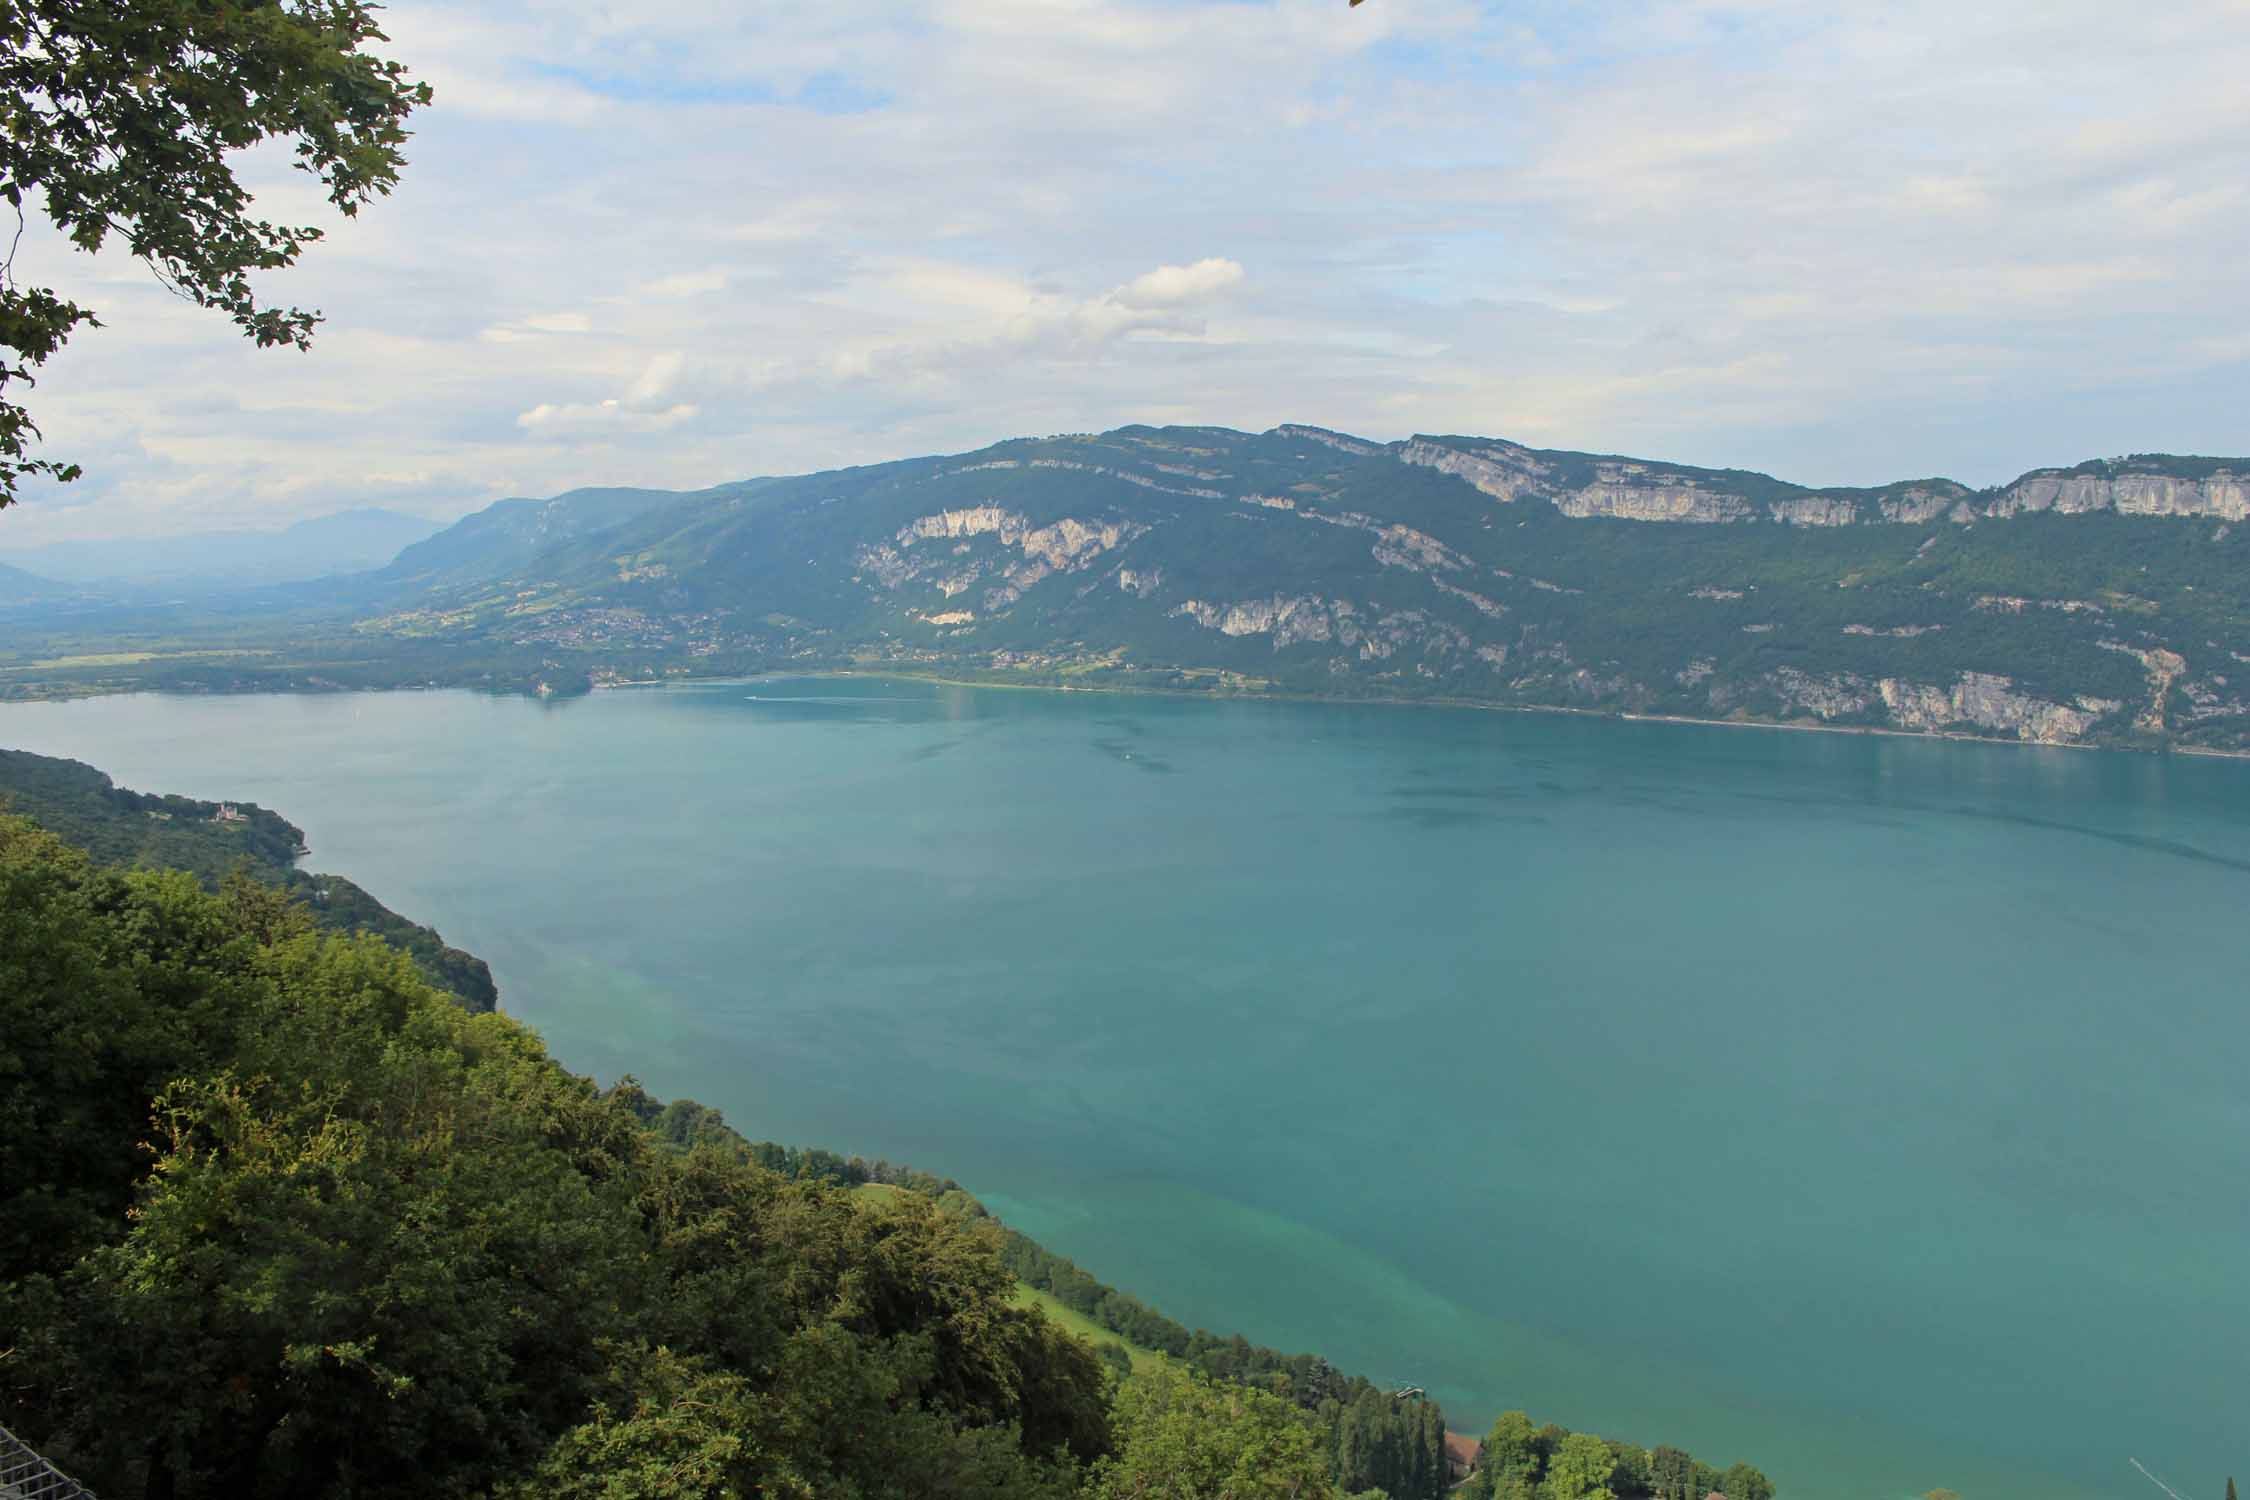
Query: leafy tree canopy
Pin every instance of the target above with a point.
(119, 118)
(1184, 1438)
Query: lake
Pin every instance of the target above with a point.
(1873, 1109)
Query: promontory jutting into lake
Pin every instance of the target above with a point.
(1867, 1105)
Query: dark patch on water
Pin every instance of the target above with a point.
(1123, 752)
(1434, 817)
(2132, 940)
(1872, 807)
(1462, 793)
(2139, 841)
(931, 751)
(1455, 817)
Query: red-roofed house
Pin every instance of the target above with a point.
(1461, 1455)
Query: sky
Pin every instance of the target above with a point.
(681, 244)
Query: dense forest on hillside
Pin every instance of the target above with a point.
(121, 827)
(279, 1217)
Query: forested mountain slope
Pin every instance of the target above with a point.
(214, 841)
(2101, 603)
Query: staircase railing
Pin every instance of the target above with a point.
(24, 1475)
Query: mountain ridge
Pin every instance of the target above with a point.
(2106, 602)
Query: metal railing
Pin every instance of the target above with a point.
(24, 1475)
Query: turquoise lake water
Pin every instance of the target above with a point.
(1877, 1110)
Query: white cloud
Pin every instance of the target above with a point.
(1832, 243)
(1167, 286)
(655, 379)
(685, 284)
(600, 418)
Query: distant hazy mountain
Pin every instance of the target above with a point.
(19, 587)
(509, 534)
(350, 541)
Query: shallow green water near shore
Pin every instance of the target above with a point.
(1874, 1109)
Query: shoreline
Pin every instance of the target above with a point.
(1480, 706)
(909, 674)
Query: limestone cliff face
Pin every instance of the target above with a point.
(1068, 540)
(1815, 510)
(1063, 546)
(1327, 439)
(2223, 495)
(978, 520)
(2163, 668)
(1289, 620)
(1635, 492)
(1620, 488)
(1921, 505)
(1504, 471)
(1375, 636)
(1404, 547)
(1990, 702)
(1629, 490)
(1841, 695)
(1145, 481)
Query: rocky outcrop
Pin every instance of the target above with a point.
(1289, 620)
(2211, 698)
(2164, 668)
(1408, 629)
(1920, 506)
(1143, 480)
(1066, 545)
(2223, 495)
(1490, 608)
(1628, 490)
(1637, 492)
(1838, 695)
(1067, 541)
(1327, 439)
(1989, 702)
(1404, 547)
(977, 520)
(1301, 618)
(1505, 472)
(1815, 510)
